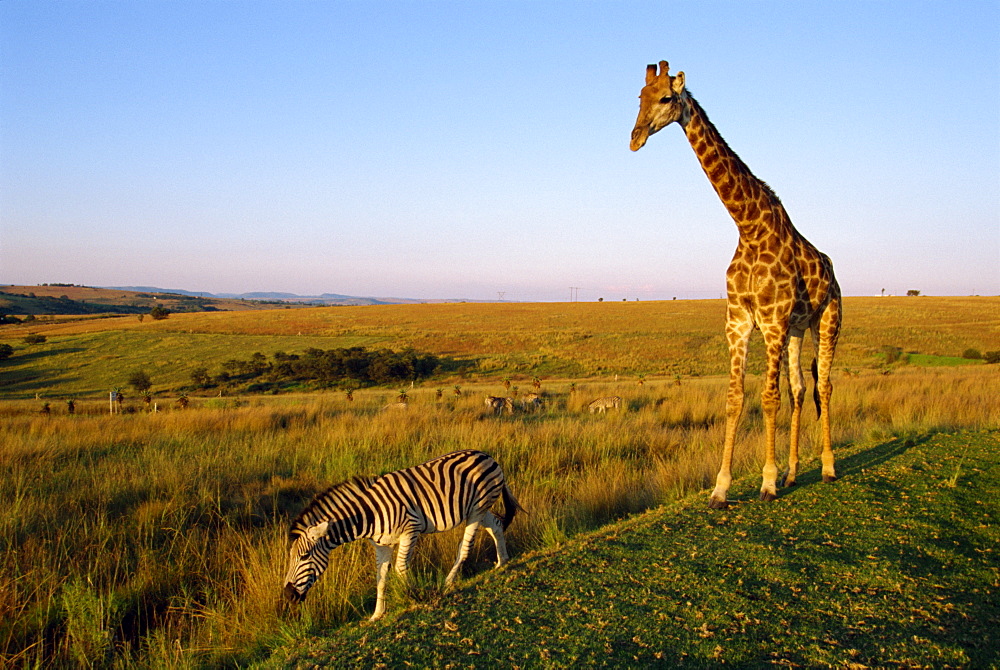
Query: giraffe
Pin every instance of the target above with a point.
(777, 282)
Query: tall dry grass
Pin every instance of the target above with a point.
(159, 539)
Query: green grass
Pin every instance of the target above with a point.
(894, 565)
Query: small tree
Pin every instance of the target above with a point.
(159, 312)
(913, 292)
(6, 351)
(182, 401)
(34, 338)
(139, 380)
(200, 377)
(992, 357)
(70, 406)
(972, 354)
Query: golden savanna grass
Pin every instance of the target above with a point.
(159, 539)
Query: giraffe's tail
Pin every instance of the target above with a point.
(815, 373)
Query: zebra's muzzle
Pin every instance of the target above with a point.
(292, 594)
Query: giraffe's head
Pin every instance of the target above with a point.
(662, 101)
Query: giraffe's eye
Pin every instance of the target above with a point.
(664, 100)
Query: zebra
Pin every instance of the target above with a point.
(500, 405)
(395, 509)
(531, 402)
(602, 404)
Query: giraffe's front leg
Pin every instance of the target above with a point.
(738, 334)
(774, 342)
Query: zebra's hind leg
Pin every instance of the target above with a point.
(383, 559)
(495, 530)
(463, 550)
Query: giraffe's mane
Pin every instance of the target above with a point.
(352, 488)
(725, 145)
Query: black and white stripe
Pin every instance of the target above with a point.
(395, 509)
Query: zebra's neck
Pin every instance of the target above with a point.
(346, 507)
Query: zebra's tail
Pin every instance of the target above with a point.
(815, 372)
(510, 507)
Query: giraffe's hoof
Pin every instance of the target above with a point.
(767, 496)
(718, 504)
(829, 478)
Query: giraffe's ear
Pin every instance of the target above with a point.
(678, 83)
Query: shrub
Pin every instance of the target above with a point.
(6, 351)
(972, 354)
(892, 354)
(992, 356)
(34, 338)
(159, 312)
(139, 380)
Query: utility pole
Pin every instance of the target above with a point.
(501, 294)
(574, 293)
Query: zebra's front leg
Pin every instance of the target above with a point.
(463, 551)
(383, 559)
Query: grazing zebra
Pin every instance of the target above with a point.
(395, 509)
(500, 405)
(531, 402)
(602, 404)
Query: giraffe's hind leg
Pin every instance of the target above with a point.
(797, 391)
(828, 334)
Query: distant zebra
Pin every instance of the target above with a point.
(602, 404)
(531, 402)
(500, 405)
(395, 509)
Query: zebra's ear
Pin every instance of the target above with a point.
(314, 533)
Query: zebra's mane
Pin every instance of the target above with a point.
(353, 487)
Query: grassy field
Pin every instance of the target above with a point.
(519, 340)
(158, 539)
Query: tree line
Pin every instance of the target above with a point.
(354, 366)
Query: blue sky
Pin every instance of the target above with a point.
(468, 149)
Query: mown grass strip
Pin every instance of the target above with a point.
(894, 565)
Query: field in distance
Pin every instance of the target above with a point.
(493, 340)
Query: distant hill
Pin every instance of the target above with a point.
(81, 300)
(323, 299)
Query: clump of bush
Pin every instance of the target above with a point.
(355, 366)
(34, 338)
(972, 354)
(992, 357)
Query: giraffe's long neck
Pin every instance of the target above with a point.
(750, 201)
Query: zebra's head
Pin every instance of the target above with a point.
(307, 559)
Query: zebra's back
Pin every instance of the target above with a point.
(440, 494)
